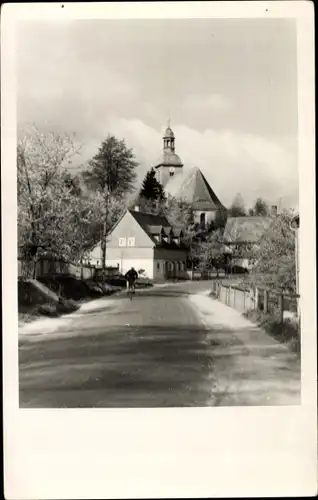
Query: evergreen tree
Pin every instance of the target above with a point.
(260, 208)
(237, 208)
(151, 189)
(220, 219)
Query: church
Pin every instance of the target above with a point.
(191, 187)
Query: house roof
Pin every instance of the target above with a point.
(193, 188)
(145, 219)
(295, 221)
(245, 229)
(155, 224)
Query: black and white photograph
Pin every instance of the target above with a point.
(158, 212)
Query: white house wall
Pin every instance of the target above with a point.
(125, 258)
(128, 227)
(96, 257)
(209, 216)
(139, 264)
(142, 255)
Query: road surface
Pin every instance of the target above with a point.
(157, 350)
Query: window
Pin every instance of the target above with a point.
(131, 242)
(122, 242)
(158, 266)
(202, 219)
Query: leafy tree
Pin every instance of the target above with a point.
(237, 208)
(151, 189)
(220, 219)
(44, 200)
(149, 206)
(210, 252)
(260, 208)
(73, 183)
(54, 218)
(181, 215)
(108, 209)
(274, 256)
(111, 175)
(112, 168)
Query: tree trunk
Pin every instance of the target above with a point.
(34, 268)
(103, 243)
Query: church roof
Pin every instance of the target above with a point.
(168, 133)
(195, 189)
(169, 158)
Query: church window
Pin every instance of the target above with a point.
(202, 219)
(158, 266)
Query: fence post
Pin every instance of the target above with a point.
(229, 299)
(265, 301)
(234, 296)
(281, 307)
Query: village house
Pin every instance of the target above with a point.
(146, 242)
(242, 234)
(187, 185)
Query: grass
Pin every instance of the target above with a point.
(287, 332)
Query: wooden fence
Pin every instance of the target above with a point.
(49, 267)
(267, 301)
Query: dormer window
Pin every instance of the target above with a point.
(166, 234)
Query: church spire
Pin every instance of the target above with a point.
(168, 139)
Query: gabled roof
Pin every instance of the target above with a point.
(194, 189)
(177, 232)
(154, 225)
(245, 229)
(167, 231)
(146, 219)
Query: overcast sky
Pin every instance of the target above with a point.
(229, 86)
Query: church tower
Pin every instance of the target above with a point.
(170, 164)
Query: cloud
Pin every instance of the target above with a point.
(202, 104)
(232, 162)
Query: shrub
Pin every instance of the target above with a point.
(49, 310)
(287, 332)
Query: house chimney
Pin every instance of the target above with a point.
(136, 208)
(274, 210)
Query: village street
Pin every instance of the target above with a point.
(171, 346)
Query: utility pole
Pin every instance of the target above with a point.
(104, 232)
